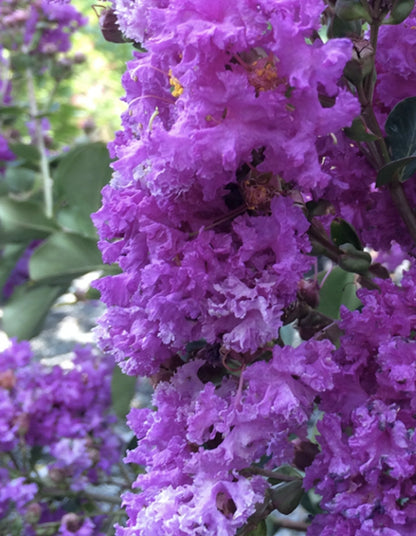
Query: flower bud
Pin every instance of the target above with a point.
(305, 453)
(33, 513)
(361, 64)
(286, 497)
(72, 522)
(7, 379)
(308, 291)
(109, 26)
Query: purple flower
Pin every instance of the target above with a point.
(202, 437)
(368, 451)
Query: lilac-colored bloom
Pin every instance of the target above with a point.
(198, 442)
(368, 450)
(210, 244)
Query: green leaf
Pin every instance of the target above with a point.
(342, 28)
(358, 131)
(75, 219)
(25, 312)
(13, 111)
(123, 388)
(338, 289)
(352, 10)
(402, 169)
(400, 11)
(79, 177)
(27, 153)
(401, 133)
(19, 179)
(22, 221)
(310, 501)
(287, 496)
(9, 256)
(63, 257)
(354, 260)
(259, 530)
(342, 233)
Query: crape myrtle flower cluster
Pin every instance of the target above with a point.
(351, 189)
(62, 416)
(233, 131)
(366, 469)
(202, 213)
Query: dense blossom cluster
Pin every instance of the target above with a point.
(233, 131)
(202, 437)
(205, 253)
(366, 470)
(62, 413)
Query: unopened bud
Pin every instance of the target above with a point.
(308, 291)
(7, 379)
(305, 453)
(79, 58)
(56, 475)
(32, 513)
(286, 497)
(109, 26)
(361, 64)
(72, 522)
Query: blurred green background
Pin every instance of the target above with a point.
(93, 94)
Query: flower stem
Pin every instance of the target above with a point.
(40, 144)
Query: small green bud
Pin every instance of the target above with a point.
(286, 497)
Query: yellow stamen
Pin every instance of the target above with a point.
(177, 88)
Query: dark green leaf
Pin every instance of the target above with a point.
(338, 289)
(354, 260)
(401, 134)
(286, 496)
(401, 169)
(25, 312)
(359, 132)
(349, 10)
(400, 11)
(11, 111)
(343, 28)
(79, 178)
(123, 388)
(35, 455)
(342, 233)
(21, 221)
(63, 257)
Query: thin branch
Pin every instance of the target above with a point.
(269, 474)
(40, 143)
(402, 204)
